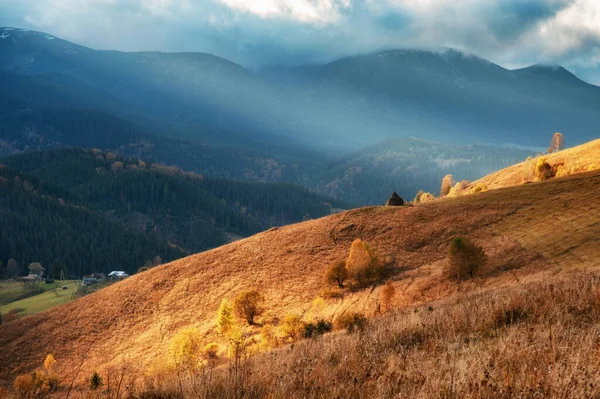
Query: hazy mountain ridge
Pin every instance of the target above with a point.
(351, 102)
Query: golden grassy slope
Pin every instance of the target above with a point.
(576, 159)
(528, 231)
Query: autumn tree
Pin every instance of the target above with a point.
(447, 183)
(185, 348)
(248, 305)
(557, 143)
(225, 320)
(362, 264)
(465, 259)
(336, 274)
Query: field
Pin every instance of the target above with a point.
(54, 295)
(541, 240)
(11, 291)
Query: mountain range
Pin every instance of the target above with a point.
(342, 106)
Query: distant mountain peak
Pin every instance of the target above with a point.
(6, 32)
(549, 70)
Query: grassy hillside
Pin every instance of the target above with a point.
(573, 160)
(529, 232)
(12, 291)
(54, 295)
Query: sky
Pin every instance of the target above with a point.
(512, 33)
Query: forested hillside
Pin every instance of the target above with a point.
(41, 223)
(407, 166)
(186, 209)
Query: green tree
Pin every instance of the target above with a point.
(36, 268)
(95, 381)
(12, 268)
(58, 269)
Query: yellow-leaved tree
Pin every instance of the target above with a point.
(186, 349)
(225, 319)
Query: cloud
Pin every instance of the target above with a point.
(512, 33)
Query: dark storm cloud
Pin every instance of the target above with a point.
(510, 32)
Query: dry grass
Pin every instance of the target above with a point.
(526, 231)
(533, 340)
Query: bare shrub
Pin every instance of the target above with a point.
(248, 305)
(465, 259)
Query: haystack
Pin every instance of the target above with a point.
(395, 200)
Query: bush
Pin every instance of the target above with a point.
(351, 322)
(447, 183)
(336, 274)
(268, 337)
(478, 188)
(291, 327)
(320, 327)
(95, 381)
(248, 305)
(211, 351)
(426, 197)
(543, 170)
(465, 259)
